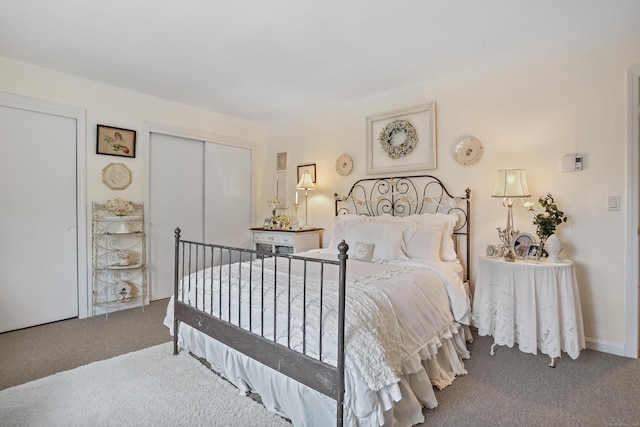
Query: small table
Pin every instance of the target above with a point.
(285, 241)
(533, 303)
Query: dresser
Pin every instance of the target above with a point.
(534, 304)
(285, 241)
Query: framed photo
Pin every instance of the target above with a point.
(281, 161)
(267, 223)
(532, 253)
(402, 140)
(116, 141)
(522, 243)
(311, 168)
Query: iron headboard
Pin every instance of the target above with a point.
(410, 195)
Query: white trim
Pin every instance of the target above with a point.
(80, 116)
(606, 347)
(632, 255)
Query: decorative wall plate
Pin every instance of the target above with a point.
(468, 151)
(344, 165)
(116, 176)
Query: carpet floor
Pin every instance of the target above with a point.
(150, 387)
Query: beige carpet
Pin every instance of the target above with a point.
(150, 387)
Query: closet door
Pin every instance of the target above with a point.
(176, 177)
(38, 252)
(202, 187)
(227, 195)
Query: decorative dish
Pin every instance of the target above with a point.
(468, 151)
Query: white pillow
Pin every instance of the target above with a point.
(338, 233)
(388, 239)
(425, 242)
(448, 223)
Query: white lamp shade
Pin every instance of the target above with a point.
(511, 183)
(306, 181)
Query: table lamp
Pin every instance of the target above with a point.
(511, 185)
(306, 184)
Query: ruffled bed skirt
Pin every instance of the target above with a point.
(435, 365)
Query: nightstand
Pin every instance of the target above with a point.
(532, 303)
(285, 241)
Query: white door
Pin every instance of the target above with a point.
(38, 249)
(204, 188)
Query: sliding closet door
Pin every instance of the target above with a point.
(38, 253)
(176, 177)
(227, 195)
(202, 187)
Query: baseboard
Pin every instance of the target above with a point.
(606, 347)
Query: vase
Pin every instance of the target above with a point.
(553, 246)
(542, 248)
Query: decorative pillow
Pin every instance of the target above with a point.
(363, 251)
(447, 222)
(339, 224)
(425, 242)
(388, 238)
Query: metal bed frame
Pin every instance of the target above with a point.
(399, 196)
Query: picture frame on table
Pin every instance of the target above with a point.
(492, 251)
(521, 244)
(311, 168)
(402, 140)
(113, 141)
(532, 253)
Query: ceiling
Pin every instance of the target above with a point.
(268, 59)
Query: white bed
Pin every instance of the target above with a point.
(406, 312)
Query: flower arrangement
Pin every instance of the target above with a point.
(120, 206)
(123, 254)
(547, 221)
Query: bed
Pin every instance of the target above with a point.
(358, 333)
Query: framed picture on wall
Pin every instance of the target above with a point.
(281, 161)
(402, 140)
(114, 141)
(311, 168)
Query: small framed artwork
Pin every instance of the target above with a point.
(522, 243)
(532, 253)
(402, 140)
(311, 168)
(267, 223)
(281, 161)
(116, 141)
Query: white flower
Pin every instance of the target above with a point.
(528, 205)
(545, 215)
(120, 205)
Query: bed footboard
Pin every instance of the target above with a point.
(272, 308)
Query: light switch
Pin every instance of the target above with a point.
(614, 203)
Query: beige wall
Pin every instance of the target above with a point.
(528, 114)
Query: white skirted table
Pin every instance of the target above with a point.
(535, 304)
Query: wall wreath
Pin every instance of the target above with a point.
(395, 151)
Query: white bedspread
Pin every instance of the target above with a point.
(398, 317)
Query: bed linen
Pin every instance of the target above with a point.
(407, 338)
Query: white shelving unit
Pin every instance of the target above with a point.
(119, 259)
